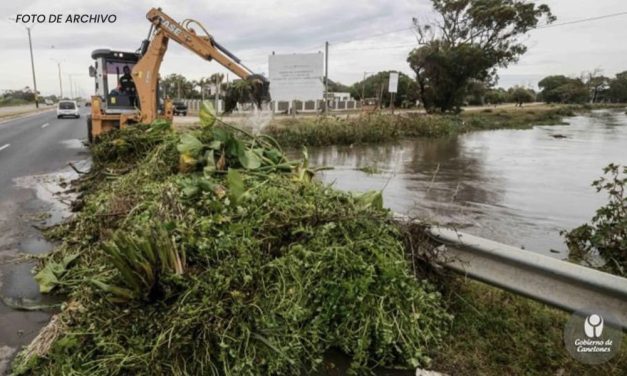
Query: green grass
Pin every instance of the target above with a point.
(498, 333)
(13, 102)
(379, 127)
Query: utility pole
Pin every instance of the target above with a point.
(32, 65)
(326, 74)
(363, 87)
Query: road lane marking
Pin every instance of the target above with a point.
(4, 146)
(45, 125)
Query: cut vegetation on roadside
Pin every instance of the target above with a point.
(208, 252)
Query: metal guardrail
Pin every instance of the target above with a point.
(558, 283)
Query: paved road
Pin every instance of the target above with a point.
(37, 144)
(34, 145)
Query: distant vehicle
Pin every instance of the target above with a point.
(180, 108)
(67, 108)
(48, 102)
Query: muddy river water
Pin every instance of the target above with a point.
(519, 187)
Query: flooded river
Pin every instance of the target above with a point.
(519, 187)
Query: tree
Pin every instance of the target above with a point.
(597, 85)
(376, 86)
(562, 89)
(520, 95)
(476, 92)
(336, 87)
(617, 91)
(496, 96)
(177, 86)
(470, 39)
(241, 91)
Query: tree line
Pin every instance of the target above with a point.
(592, 87)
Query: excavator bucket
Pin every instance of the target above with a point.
(260, 89)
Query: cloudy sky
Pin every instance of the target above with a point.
(365, 36)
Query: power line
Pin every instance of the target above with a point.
(589, 19)
(547, 26)
(370, 36)
(415, 44)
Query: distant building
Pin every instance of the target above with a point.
(339, 96)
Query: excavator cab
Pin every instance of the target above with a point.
(111, 71)
(115, 102)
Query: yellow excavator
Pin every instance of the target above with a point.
(127, 83)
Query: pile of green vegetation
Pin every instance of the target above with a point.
(606, 235)
(379, 127)
(209, 252)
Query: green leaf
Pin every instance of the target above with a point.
(190, 190)
(159, 125)
(67, 260)
(215, 145)
(274, 155)
(207, 114)
(236, 185)
(189, 145)
(234, 147)
(220, 134)
(370, 199)
(46, 278)
(249, 159)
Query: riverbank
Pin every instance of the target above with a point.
(386, 127)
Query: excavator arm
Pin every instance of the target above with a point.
(146, 71)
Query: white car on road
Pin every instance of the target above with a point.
(67, 108)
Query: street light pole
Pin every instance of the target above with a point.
(71, 87)
(32, 64)
(60, 80)
(363, 88)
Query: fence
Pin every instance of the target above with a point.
(282, 107)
